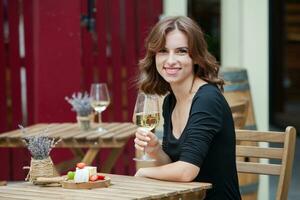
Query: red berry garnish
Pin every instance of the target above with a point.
(81, 165)
(100, 177)
(94, 178)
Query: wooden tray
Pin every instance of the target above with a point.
(70, 184)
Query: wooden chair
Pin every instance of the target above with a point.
(239, 113)
(248, 183)
(284, 153)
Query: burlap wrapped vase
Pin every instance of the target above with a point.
(41, 168)
(84, 122)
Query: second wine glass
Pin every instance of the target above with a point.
(146, 115)
(100, 99)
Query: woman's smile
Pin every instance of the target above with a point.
(172, 71)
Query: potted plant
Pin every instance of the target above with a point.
(41, 164)
(81, 104)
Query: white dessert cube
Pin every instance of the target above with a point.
(92, 170)
(82, 175)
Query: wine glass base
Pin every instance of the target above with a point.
(100, 129)
(144, 158)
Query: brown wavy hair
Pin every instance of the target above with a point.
(205, 65)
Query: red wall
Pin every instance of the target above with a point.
(56, 55)
(62, 57)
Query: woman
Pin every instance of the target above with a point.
(199, 136)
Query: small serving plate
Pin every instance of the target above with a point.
(70, 184)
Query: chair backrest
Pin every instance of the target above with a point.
(284, 153)
(239, 113)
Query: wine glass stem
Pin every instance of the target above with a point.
(99, 118)
(145, 156)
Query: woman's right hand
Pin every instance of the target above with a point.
(146, 140)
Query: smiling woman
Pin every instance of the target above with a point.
(189, 40)
(199, 137)
(173, 62)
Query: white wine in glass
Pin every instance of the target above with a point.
(100, 106)
(146, 116)
(100, 99)
(147, 121)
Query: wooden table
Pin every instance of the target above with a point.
(70, 136)
(122, 187)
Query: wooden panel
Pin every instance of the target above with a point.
(89, 47)
(131, 68)
(101, 67)
(118, 44)
(119, 39)
(57, 53)
(14, 63)
(147, 14)
(259, 136)
(131, 58)
(157, 10)
(3, 80)
(28, 60)
(117, 63)
(50, 33)
(259, 152)
(258, 168)
(56, 67)
(18, 156)
(5, 153)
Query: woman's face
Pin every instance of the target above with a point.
(173, 62)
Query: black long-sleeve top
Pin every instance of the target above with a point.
(207, 141)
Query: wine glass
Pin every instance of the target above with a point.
(146, 116)
(100, 99)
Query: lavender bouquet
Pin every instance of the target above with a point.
(81, 104)
(39, 147)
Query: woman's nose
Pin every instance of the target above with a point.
(171, 59)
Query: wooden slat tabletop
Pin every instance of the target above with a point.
(115, 135)
(122, 187)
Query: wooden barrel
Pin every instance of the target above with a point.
(237, 89)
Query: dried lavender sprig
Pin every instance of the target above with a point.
(39, 145)
(81, 103)
(22, 128)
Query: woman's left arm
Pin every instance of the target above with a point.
(177, 171)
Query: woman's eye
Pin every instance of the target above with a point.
(182, 51)
(162, 51)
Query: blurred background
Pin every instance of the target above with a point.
(52, 48)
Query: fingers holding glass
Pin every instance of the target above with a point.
(146, 117)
